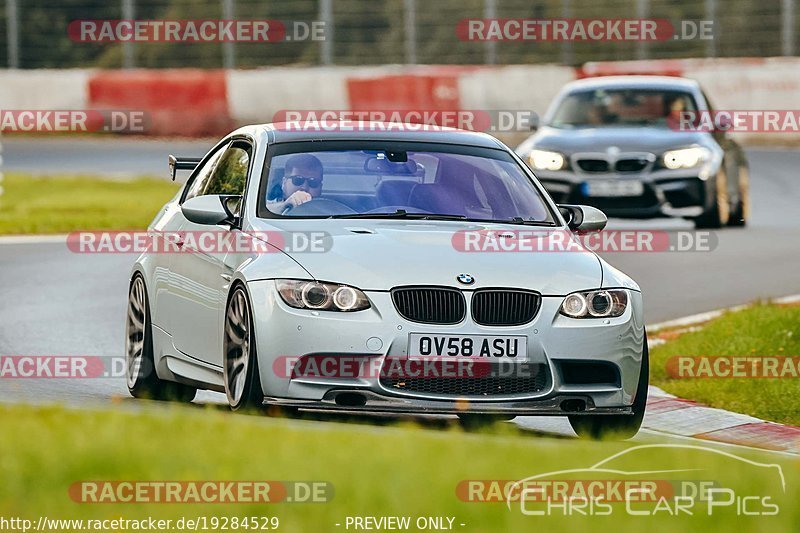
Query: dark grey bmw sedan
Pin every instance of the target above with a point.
(614, 143)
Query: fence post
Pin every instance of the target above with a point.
(490, 12)
(228, 48)
(411, 31)
(326, 45)
(567, 54)
(642, 12)
(711, 14)
(128, 47)
(788, 15)
(12, 33)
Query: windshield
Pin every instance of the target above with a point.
(621, 107)
(485, 185)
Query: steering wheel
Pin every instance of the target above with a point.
(320, 207)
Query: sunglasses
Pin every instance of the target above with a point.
(298, 181)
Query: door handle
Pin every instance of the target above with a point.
(226, 277)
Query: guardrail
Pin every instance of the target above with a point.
(195, 102)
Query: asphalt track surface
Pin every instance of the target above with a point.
(55, 302)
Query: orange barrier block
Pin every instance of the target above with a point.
(184, 102)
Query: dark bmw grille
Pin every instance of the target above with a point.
(504, 307)
(593, 165)
(431, 305)
(631, 165)
(527, 378)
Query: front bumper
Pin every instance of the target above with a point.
(553, 341)
(666, 193)
(376, 403)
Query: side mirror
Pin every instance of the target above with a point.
(583, 218)
(209, 210)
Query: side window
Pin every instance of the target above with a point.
(230, 174)
(200, 182)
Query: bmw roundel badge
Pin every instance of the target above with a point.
(466, 279)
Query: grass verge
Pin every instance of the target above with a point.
(758, 331)
(399, 470)
(61, 204)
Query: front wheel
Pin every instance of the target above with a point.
(719, 213)
(240, 364)
(140, 371)
(741, 211)
(618, 427)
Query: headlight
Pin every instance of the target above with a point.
(321, 296)
(544, 160)
(686, 157)
(595, 304)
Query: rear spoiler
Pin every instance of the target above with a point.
(182, 163)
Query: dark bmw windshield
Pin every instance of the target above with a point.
(402, 180)
(621, 107)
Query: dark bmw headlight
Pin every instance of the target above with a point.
(604, 303)
(321, 296)
(686, 157)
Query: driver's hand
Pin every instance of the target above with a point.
(297, 198)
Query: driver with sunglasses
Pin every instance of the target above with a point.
(302, 182)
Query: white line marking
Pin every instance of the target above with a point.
(700, 318)
(33, 239)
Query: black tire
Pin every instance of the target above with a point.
(142, 380)
(741, 211)
(240, 363)
(718, 214)
(618, 427)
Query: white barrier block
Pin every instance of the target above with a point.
(254, 96)
(518, 87)
(44, 89)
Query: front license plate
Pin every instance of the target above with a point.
(479, 347)
(612, 188)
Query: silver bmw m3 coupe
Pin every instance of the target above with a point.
(387, 268)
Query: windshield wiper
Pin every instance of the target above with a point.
(522, 221)
(402, 213)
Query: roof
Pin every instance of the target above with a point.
(375, 131)
(632, 82)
